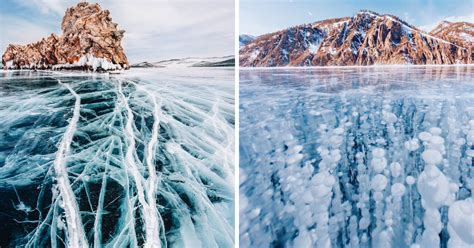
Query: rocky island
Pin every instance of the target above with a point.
(89, 41)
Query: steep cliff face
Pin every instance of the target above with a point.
(89, 41)
(365, 39)
(292, 45)
(460, 33)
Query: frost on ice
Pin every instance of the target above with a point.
(143, 159)
(357, 157)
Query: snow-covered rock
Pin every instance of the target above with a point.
(89, 41)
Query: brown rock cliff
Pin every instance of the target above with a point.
(367, 38)
(89, 41)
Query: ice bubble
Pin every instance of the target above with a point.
(336, 155)
(254, 213)
(470, 136)
(424, 136)
(288, 208)
(359, 155)
(390, 117)
(378, 196)
(436, 140)
(398, 190)
(412, 145)
(296, 149)
(307, 197)
(329, 181)
(379, 182)
(316, 113)
(381, 141)
(336, 140)
(460, 141)
(431, 156)
(461, 219)
(294, 159)
(303, 239)
(364, 238)
(395, 169)
(243, 202)
(410, 180)
(323, 151)
(378, 152)
(319, 178)
(435, 131)
(433, 187)
(378, 164)
(364, 223)
(338, 131)
(453, 187)
(321, 191)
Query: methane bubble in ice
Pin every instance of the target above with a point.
(357, 157)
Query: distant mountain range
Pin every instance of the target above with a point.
(367, 38)
(190, 62)
(245, 39)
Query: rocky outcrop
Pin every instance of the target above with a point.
(89, 41)
(459, 33)
(367, 38)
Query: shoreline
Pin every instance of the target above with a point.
(352, 66)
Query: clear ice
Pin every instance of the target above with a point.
(357, 157)
(145, 158)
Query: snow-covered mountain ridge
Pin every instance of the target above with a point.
(190, 62)
(367, 38)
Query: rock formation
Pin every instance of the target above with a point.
(367, 38)
(459, 33)
(89, 41)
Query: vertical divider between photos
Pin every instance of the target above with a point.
(237, 120)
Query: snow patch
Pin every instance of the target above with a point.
(91, 61)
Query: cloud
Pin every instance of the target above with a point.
(155, 29)
(56, 7)
(22, 31)
(173, 29)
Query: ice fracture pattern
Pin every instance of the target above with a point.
(143, 159)
(357, 157)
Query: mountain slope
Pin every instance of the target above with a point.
(190, 62)
(367, 38)
(460, 33)
(245, 39)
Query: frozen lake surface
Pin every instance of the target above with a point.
(144, 158)
(357, 157)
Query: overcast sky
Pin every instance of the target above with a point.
(264, 16)
(154, 29)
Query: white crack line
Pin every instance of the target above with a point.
(75, 230)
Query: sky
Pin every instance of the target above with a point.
(154, 29)
(265, 16)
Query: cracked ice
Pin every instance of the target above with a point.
(140, 159)
(357, 157)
